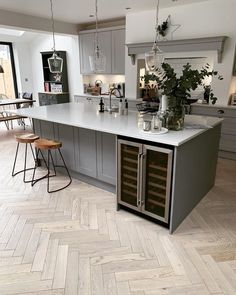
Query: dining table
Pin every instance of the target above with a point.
(15, 101)
(7, 103)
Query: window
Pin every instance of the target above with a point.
(8, 85)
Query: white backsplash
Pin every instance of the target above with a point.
(197, 63)
(106, 79)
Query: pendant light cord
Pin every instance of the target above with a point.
(53, 27)
(96, 15)
(157, 20)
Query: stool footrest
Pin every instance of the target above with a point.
(47, 165)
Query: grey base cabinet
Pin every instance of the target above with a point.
(227, 147)
(85, 151)
(106, 157)
(46, 98)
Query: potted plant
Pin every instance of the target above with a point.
(177, 89)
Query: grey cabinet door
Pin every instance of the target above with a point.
(87, 49)
(36, 127)
(65, 134)
(106, 157)
(47, 130)
(118, 52)
(104, 39)
(86, 153)
(86, 42)
(48, 99)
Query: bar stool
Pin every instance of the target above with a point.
(49, 145)
(26, 138)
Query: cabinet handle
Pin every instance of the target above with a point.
(142, 157)
(138, 182)
(220, 112)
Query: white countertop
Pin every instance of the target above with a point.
(218, 106)
(87, 116)
(107, 96)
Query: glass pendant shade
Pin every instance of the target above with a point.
(154, 58)
(55, 63)
(97, 61)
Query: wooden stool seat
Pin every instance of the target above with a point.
(26, 137)
(46, 144)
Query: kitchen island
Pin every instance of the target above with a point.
(110, 151)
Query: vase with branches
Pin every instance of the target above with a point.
(178, 88)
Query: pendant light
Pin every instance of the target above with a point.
(55, 62)
(97, 60)
(155, 57)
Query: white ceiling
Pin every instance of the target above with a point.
(78, 11)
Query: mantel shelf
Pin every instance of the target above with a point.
(186, 45)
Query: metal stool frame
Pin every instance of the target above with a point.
(48, 175)
(25, 161)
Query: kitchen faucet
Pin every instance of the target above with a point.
(110, 94)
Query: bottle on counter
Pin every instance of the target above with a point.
(101, 105)
(121, 107)
(156, 123)
(126, 107)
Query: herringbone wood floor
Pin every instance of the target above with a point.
(74, 242)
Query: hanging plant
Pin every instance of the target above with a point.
(162, 29)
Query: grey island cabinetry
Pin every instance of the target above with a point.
(87, 152)
(160, 176)
(228, 130)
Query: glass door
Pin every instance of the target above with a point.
(129, 156)
(8, 85)
(157, 163)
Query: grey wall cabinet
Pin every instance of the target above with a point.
(118, 52)
(86, 153)
(105, 45)
(53, 98)
(112, 44)
(86, 42)
(106, 157)
(227, 147)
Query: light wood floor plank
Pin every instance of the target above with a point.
(74, 242)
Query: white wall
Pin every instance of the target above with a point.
(204, 19)
(23, 67)
(43, 42)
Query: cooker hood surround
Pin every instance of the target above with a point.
(186, 45)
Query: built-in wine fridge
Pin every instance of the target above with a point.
(144, 178)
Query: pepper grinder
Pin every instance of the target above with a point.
(126, 107)
(101, 104)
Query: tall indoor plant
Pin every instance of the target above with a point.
(177, 89)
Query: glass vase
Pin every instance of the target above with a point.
(175, 120)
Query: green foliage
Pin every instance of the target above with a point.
(176, 88)
(162, 29)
